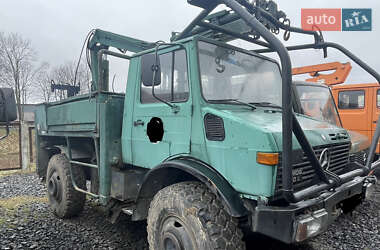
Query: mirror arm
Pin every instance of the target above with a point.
(158, 44)
(6, 115)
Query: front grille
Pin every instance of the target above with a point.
(304, 174)
(359, 157)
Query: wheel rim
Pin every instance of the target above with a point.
(55, 187)
(175, 235)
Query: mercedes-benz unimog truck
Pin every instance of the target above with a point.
(205, 143)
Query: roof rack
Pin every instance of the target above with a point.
(227, 25)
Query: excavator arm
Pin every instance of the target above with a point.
(339, 76)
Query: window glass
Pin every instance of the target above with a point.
(174, 85)
(318, 103)
(378, 98)
(228, 74)
(352, 99)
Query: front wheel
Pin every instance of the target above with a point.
(187, 216)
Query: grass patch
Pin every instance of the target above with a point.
(14, 202)
(9, 172)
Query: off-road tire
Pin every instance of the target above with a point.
(199, 212)
(71, 202)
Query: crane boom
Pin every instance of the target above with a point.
(101, 39)
(337, 77)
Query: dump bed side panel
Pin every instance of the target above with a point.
(79, 115)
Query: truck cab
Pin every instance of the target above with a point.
(200, 144)
(316, 100)
(355, 103)
(358, 106)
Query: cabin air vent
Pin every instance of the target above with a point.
(214, 127)
(338, 136)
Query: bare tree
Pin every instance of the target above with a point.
(17, 69)
(62, 74)
(42, 89)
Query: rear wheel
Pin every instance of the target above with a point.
(64, 200)
(187, 216)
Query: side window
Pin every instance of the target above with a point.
(352, 99)
(174, 85)
(378, 98)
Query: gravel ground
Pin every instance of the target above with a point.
(27, 223)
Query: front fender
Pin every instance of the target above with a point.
(187, 169)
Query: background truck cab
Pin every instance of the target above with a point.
(358, 104)
(359, 107)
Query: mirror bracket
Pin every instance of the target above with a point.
(156, 69)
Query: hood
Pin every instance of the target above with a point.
(269, 121)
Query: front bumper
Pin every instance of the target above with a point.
(307, 218)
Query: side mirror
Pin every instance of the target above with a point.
(8, 111)
(149, 68)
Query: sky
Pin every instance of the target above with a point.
(58, 28)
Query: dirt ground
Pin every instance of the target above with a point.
(27, 223)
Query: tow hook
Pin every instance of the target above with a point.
(369, 185)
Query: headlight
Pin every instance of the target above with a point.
(311, 225)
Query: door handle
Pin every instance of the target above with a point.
(375, 122)
(138, 123)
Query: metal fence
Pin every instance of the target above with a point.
(17, 151)
(10, 148)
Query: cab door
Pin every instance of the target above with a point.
(355, 109)
(375, 113)
(162, 124)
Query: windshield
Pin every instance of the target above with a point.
(318, 103)
(228, 74)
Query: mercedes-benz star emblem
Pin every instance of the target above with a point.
(324, 159)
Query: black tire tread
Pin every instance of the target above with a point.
(222, 229)
(74, 200)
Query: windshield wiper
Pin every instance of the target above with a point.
(233, 100)
(266, 104)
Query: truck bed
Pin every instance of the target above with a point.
(77, 116)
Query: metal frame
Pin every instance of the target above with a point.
(100, 57)
(81, 164)
(249, 12)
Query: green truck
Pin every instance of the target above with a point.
(207, 142)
